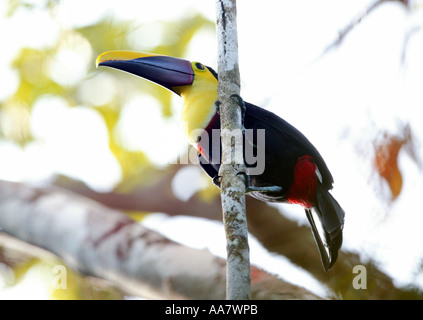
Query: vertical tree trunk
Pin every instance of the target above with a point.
(232, 184)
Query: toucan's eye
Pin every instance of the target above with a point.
(199, 66)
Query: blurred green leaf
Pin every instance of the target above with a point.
(35, 79)
(131, 162)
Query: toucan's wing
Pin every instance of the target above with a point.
(259, 118)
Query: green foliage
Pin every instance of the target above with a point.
(36, 78)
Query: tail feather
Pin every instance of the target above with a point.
(331, 217)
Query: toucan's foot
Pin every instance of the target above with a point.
(217, 180)
(249, 188)
(263, 189)
(217, 103)
(241, 104)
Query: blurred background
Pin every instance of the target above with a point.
(348, 74)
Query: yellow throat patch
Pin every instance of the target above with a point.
(198, 101)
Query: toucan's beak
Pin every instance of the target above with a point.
(166, 71)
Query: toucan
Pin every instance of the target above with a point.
(294, 171)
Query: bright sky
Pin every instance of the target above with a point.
(340, 102)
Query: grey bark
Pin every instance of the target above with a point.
(232, 184)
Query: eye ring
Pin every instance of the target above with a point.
(199, 66)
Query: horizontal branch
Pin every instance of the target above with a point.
(277, 233)
(106, 243)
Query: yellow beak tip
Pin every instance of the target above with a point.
(99, 59)
(121, 55)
